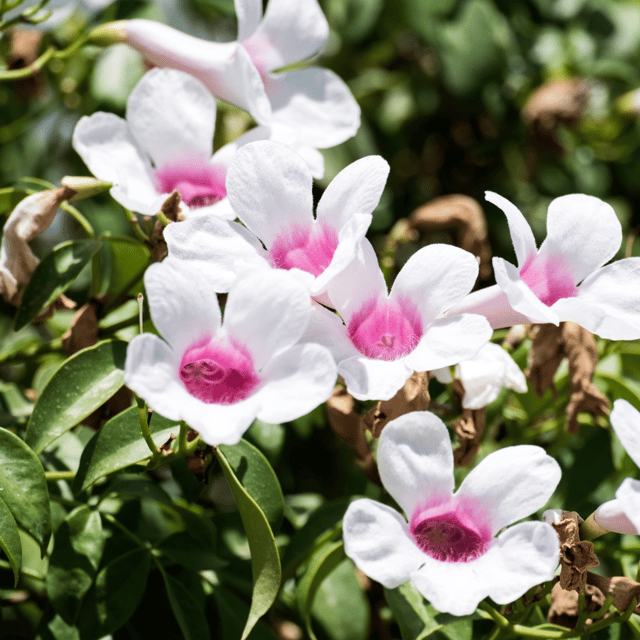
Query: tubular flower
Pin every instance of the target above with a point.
(269, 188)
(219, 375)
(447, 546)
(565, 279)
(313, 101)
(385, 337)
(622, 515)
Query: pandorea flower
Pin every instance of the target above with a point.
(314, 102)
(165, 143)
(448, 546)
(622, 515)
(219, 375)
(565, 278)
(269, 188)
(385, 337)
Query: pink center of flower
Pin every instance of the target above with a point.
(308, 248)
(385, 329)
(200, 183)
(549, 279)
(450, 533)
(218, 373)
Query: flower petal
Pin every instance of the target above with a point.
(184, 307)
(316, 103)
(612, 515)
(269, 187)
(267, 311)
(172, 115)
(625, 420)
(105, 144)
(415, 459)
(628, 494)
(327, 329)
(448, 341)
(296, 382)
(511, 484)
(436, 277)
(584, 231)
(369, 379)
(608, 302)
(249, 14)
(377, 539)
(521, 235)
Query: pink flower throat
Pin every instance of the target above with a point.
(450, 533)
(385, 329)
(200, 183)
(218, 373)
(308, 248)
(548, 278)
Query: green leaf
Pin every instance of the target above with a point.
(78, 545)
(621, 387)
(265, 561)
(23, 487)
(414, 617)
(127, 257)
(232, 612)
(257, 476)
(10, 540)
(76, 389)
(188, 613)
(53, 276)
(187, 551)
(118, 444)
(320, 566)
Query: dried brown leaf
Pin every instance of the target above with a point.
(171, 208)
(564, 604)
(624, 589)
(83, 330)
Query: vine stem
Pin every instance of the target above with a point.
(53, 476)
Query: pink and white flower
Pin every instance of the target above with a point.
(165, 143)
(269, 188)
(218, 376)
(448, 545)
(384, 337)
(314, 102)
(565, 279)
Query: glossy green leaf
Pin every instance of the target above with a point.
(258, 477)
(322, 563)
(76, 389)
(265, 561)
(77, 549)
(10, 540)
(188, 613)
(118, 444)
(23, 487)
(53, 276)
(128, 257)
(621, 387)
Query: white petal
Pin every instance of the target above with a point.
(356, 189)
(316, 103)
(511, 483)
(360, 282)
(249, 13)
(313, 157)
(369, 379)
(521, 235)
(608, 302)
(611, 515)
(296, 382)
(436, 277)
(269, 187)
(172, 116)
(267, 311)
(584, 230)
(625, 420)
(184, 307)
(105, 144)
(218, 249)
(628, 494)
(221, 424)
(448, 341)
(225, 155)
(376, 538)
(521, 298)
(327, 329)
(415, 460)
(291, 30)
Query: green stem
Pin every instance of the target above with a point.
(163, 218)
(34, 67)
(79, 218)
(182, 438)
(144, 427)
(132, 219)
(53, 476)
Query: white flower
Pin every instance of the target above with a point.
(269, 188)
(387, 336)
(485, 375)
(313, 101)
(165, 143)
(564, 279)
(219, 375)
(622, 515)
(448, 548)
